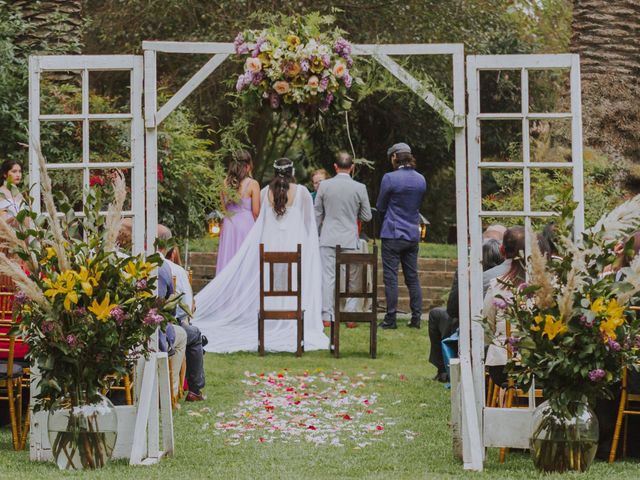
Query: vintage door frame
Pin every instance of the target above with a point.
(138, 426)
(503, 427)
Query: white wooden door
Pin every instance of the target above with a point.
(511, 427)
(82, 119)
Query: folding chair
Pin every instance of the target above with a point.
(289, 259)
(629, 405)
(364, 261)
(11, 373)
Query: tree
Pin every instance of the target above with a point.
(606, 34)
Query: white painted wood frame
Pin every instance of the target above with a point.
(511, 427)
(472, 451)
(139, 425)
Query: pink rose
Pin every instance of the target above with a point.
(253, 65)
(281, 87)
(339, 69)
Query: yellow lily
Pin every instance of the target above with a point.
(598, 305)
(553, 327)
(65, 284)
(103, 309)
(537, 319)
(86, 281)
(143, 270)
(615, 312)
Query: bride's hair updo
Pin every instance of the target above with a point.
(279, 186)
(240, 165)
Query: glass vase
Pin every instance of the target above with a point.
(560, 444)
(82, 431)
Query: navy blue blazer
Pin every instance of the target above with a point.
(399, 201)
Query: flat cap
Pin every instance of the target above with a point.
(398, 148)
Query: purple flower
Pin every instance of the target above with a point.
(326, 61)
(274, 100)
(596, 375)
(240, 45)
(324, 83)
(349, 61)
(258, 77)
(71, 340)
(152, 317)
(20, 298)
(347, 80)
(304, 65)
(141, 284)
(47, 326)
(118, 315)
(342, 47)
(522, 286)
(326, 102)
(636, 341)
(586, 322)
(256, 49)
(80, 312)
(499, 303)
(244, 80)
(613, 345)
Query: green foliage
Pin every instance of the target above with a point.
(602, 190)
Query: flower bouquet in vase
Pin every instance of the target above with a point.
(86, 310)
(572, 330)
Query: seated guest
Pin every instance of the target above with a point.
(443, 322)
(316, 177)
(188, 337)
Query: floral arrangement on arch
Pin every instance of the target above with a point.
(572, 326)
(85, 309)
(297, 63)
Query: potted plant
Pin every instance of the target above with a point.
(87, 312)
(573, 331)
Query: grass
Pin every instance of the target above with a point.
(415, 403)
(427, 250)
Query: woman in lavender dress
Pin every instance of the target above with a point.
(242, 215)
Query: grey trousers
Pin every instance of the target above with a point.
(328, 259)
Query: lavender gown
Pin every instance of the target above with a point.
(234, 230)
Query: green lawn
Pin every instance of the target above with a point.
(427, 250)
(410, 402)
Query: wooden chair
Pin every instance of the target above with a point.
(11, 373)
(289, 259)
(629, 405)
(364, 261)
(125, 385)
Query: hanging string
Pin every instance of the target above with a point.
(346, 120)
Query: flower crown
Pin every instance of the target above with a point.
(282, 169)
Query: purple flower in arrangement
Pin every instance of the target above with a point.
(324, 83)
(586, 322)
(347, 80)
(636, 341)
(258, 77)
(349, 61)
(141, 284)
(20, 298)
(499, 303)
(522, 286)
(240, 45)
(596, 375)
(274, 100)
(152, 317)
(118, 315)
(244, 80)
(613, 345)
(256, 50)
(342, 47)
(326, 61)
(304, 65)
(47, 326)
(326, 103)
(80, 312)
(71, 340)
(513, 343)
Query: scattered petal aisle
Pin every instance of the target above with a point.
(320, 408)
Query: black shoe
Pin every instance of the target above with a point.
(413, 324)
(443, 377)
(387, 326)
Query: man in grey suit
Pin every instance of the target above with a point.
(340, 202)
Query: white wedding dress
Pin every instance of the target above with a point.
(227, 308)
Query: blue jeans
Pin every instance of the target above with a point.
(394, 252)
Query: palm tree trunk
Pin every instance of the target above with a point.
(606, 34)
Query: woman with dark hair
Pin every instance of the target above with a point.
(242, 214)
(10, 204)
(228, 305)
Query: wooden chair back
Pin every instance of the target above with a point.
(288, 259)
(366, 262)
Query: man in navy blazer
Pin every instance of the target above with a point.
(399, 201)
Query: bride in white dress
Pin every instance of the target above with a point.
(227, 308)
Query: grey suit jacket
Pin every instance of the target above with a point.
(340, 202)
